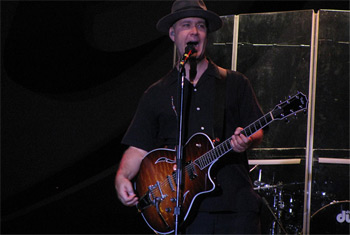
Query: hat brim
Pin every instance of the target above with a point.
(214, 21)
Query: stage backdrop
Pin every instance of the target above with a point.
(283, 53)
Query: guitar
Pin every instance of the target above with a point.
(156, 181)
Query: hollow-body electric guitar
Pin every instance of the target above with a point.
(156, 181)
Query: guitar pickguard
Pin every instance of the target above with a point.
(164, 159)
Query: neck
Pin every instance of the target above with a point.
(202, 65)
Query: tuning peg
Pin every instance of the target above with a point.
(304, 111)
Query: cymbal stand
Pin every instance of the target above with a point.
(276, 220)
(278, 205)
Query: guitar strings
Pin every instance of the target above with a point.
(200, 160)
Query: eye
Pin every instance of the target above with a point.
(186, 25)
(201, 26)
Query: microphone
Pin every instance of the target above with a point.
(189, 50)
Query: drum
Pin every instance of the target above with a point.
(333, 218)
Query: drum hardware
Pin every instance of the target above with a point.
(281, 203)
(277, 219)
(284, 201)
(333, 218)
(278, 204)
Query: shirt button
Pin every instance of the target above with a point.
(202, 128)
(198, 108)
(195, 89)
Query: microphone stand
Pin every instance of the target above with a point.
(179, 153)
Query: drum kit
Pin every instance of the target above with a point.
(282, 212)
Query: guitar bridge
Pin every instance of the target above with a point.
(150, 198)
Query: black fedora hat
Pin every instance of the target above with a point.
(189, 8)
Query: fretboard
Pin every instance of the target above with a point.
(211, 156)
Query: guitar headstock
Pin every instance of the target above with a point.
(293, 105)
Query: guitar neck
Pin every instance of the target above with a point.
(257, 125)
(223, 148)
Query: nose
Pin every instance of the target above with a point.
(194, 30)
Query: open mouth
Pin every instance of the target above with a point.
(192, 45)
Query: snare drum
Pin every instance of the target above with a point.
(333, 218)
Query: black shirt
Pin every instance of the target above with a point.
(155, 125)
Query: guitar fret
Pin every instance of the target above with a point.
(263, 121)
(228, 144)
(245, 132)
(254, 127)
(223, 148)
(197, 161)
(257, 126)
(248, 132)
(202, 161)
(227, 147)
(210, 159)
(206, 160)
(213, 156)
(266, 119)
(219, 150)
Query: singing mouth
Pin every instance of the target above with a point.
(193, 43)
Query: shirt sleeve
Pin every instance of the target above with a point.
(243, 104)
(142, 130)
(250, 108)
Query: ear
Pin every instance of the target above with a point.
(172, 33)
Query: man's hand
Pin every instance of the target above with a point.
(240, 142)
(125, 191)
(128, 168)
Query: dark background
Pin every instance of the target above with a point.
(71, 77)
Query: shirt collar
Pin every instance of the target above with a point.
(211, 71)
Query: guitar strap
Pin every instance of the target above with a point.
(219, 105)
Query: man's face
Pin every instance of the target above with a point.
(192, 29)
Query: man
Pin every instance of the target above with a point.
(233, 207)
